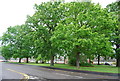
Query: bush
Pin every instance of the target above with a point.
(72, 62)
(86, 64)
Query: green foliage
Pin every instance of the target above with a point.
(71, 29)
(6, 52)
(115, 38)
(83, 62)
(113, 7)
(43, 23)
(17, 41)
(84, 30)
(72, 61)
(86, 64)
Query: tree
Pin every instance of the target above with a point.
(43, 23)
(8, 40)
(82, 26)
(115, 39)
(6, 52)
(18, 42)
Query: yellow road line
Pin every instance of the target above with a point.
(26, 77)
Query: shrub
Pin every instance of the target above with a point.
(86, 64)
(72, 62)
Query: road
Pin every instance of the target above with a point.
(0, 71)
(17, 71)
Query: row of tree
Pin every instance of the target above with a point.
(70, 30)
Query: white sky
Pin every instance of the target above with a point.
(14, 12)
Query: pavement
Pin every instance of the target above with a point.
(25, 72)
(0, 71)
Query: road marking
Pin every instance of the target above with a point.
(26, 77)
(32, 77)
(78, 76)
(69, 75)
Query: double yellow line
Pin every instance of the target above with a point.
(26, 77)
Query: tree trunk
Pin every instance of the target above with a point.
(42, 61)
(36, 61)
(19, 60)
(118, 55)
(78, 60)
(64, 59)
(52, 61)
(45, 61)
(98, 59)
(118, 62)
(27, 60)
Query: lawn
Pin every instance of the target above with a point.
(97, 68)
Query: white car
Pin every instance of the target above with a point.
(1, 60)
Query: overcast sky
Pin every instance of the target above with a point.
(14, 12)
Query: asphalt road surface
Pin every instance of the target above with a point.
(0, 71)
(17, 71)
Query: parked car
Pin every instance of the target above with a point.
(107, 63)
(3, 61)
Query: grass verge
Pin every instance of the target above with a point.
(96, 68)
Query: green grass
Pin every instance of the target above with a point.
(97, 68)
